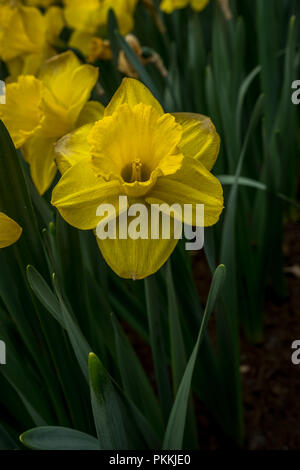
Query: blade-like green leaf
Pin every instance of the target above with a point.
(58, 438)
(114, 424)
(176, 425)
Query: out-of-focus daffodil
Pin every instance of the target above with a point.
(10, 231)
(27, 36)
(93, 48)
(89, 21)
(51, 106)
(90, 16)
(169, 6)
(138, 151)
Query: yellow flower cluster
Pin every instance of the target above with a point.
(27, 36)
(130, 148)
(169, 6)
(53, 104)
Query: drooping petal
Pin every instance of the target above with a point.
(73, 148)
(136, 259)
(39, 153)
(79, 193)
(192, 184)
(132, 92)
(22, 113)
(10, 231)
(200, 139)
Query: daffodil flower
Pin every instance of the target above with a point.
(10, 231)
(27, 36)
(137, 150)
(90, 16)
(39, 111)
(89, 20)
(168, 6)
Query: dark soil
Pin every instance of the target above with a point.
(271, 383)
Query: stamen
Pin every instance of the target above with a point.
(136, 171)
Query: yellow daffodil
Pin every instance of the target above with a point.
(169, 6)
(10, 231)
(90, 16)
(27, 36)
(39, 111)
(137, 151)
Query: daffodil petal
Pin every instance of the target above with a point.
(136, 259)
(81, 41)
(168, 6)
(132, 92)
(55, 23)
(199, 5)
(69, 83)
(192, 184)
(10, 231)
(39, 154)
(82, 16)
(22, 31)
(73, 148)
(79, 193)
(200, 139)
(91, 112)
(22, 120)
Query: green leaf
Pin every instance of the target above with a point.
(157, 344)
(57, 307)
(138, 66)
(251, 183)
(135, 382)
(58, 438)
(15, 200)
(175, 430)
(114, 424)
(6, 441)
(178, 354)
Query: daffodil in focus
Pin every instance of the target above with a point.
(10, 231)
(39, 111)
(138, 151)
(27, 36)
(169, 6)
